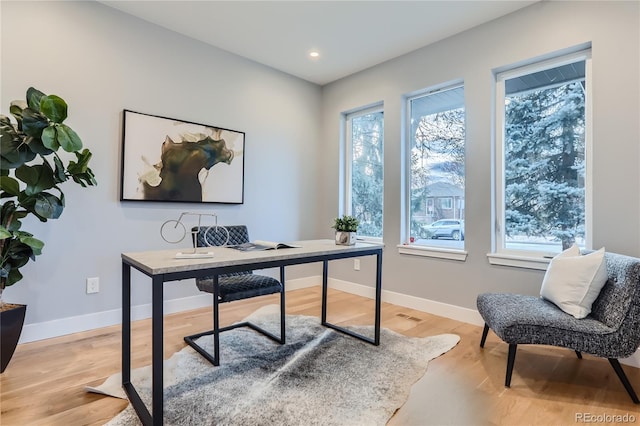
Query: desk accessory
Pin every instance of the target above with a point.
(169, 228)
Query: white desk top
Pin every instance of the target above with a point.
(163, 261)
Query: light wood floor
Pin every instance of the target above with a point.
(44, 383)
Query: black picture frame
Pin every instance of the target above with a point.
(170, 160)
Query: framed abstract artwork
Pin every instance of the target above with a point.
(170, 160)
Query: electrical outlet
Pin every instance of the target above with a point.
(93, 285)
(356, 264)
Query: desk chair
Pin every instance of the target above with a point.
(233, 286)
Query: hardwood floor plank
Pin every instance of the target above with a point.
(44, 384)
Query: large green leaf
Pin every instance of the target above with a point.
(9, 185)
(80, 171)
(14, 277)
(4, 233)
(68, 139)
(35, 244)
(59, 174)
(33, 98)
(49, 206)
(14, 153)
(18, 252)
(16, 110)
(54, 108)
(38, 178)
(50, 138)
(28, 202)
(33, 123)
(15, 159)
(36, 146)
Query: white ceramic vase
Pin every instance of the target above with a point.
(345, 238)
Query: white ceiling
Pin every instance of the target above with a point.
(350, 35)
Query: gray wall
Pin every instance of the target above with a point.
(545, 27)
(102, 61)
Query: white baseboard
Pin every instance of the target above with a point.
(61, 327)
(77, 324)
(305, 282)
(633, 360)
(458, 313)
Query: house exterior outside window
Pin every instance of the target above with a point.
(436, 150)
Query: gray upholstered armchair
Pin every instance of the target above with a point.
(234, 286)
(611, 331)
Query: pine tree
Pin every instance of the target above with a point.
(545, 164)
(367, 173)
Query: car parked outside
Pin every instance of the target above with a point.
(445, 228)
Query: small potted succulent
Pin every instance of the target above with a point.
(346, 228)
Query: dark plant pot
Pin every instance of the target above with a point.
(11, 322)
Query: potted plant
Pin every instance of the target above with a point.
(31, 172)
(346, 228)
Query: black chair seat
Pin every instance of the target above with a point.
(238, 287)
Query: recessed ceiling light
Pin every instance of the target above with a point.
(314, 54)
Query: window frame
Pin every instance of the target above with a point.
(448, 205)
(532, 259)
(347, 154)
(406, 246)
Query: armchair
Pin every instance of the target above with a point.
(611, 331)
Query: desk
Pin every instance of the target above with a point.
(161, 266)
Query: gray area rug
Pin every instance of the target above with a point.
(320, 377)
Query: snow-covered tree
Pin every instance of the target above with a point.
(545, 163)
(367, 172)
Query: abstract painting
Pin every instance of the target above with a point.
(170, 160)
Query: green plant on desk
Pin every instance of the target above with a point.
(346, 224)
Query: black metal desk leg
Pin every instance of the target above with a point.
(126, 324)
(216, 321)
(282, 308)
(157, 350)
(376, 337)
(378, 298)
(325, 272)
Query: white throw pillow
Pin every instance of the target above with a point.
(573, 282)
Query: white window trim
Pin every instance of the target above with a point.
(532, 259)
(347, 156)
(406, 247)
(374, 240)
(432, 251)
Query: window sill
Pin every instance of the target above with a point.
(441, 253)
(528, 262)
(371, 240)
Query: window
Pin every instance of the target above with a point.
(436, 151)
(364, 177)
(542, 173)
(446, 203)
